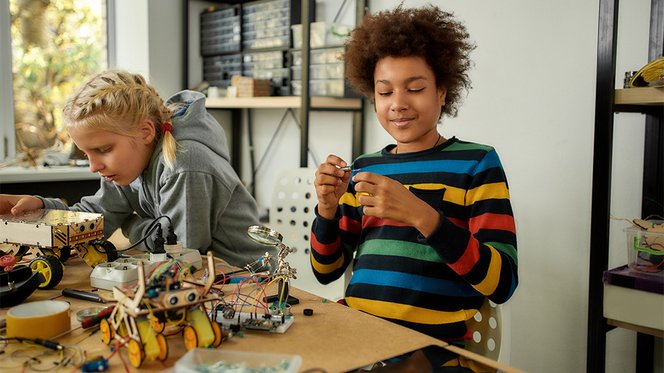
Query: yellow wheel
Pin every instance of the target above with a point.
(107, 332)
(136, 353)
(190, 337)
(157, 325)
(50, 268)
(216, 329)
(163, 347)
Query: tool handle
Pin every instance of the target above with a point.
(94, 320)
(85, 295)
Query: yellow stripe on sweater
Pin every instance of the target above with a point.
(408, 313)
(327, 268)
(488, 191)
(490, 282)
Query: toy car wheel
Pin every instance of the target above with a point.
(216, 329)
(136, 353)
(190, 337)
(107, 333)
(65, 253)
(50, 268)
(163, 347)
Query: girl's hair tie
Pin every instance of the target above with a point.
(166, 127)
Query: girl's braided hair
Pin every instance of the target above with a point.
(426, 32)
(118, 102)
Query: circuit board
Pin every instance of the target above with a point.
(255, 321)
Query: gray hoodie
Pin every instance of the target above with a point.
(202, 195)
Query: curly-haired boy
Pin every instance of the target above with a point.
(427, 222)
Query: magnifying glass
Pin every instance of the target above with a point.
(264, 235)
(270, 237)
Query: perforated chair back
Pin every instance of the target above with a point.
(486, 331)
(291, 214)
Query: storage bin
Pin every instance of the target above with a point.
(645, 248)
(213, 360)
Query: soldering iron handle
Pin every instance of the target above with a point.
(85, 295)
(94, 320)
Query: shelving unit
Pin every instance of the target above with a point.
(305, 103)
(649, 101)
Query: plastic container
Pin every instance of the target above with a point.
(645, 249)
(213, 360)
(316, 35)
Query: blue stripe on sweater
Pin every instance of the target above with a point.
(451, 166)
(412, 282)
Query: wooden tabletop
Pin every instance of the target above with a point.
(335, 338)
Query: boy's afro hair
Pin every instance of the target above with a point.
(426, 32)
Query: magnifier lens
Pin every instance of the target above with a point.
(264, 235)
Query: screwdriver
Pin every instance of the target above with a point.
(94, 320)
(85, 295)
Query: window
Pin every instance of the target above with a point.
(49, 47)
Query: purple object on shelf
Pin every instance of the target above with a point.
(627, 278)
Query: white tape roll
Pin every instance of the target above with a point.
(43, 319)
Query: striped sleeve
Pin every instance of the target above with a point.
(482, 250)
(333, 241)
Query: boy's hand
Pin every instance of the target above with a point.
(331, 183)
(386, 198)
(17, 204)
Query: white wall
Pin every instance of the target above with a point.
(533, 99)
(149, 41)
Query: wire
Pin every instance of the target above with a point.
(149, 230)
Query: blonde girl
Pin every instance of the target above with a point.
(155, 158)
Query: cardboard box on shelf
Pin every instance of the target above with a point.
(250, 87)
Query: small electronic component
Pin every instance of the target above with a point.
(255, 321)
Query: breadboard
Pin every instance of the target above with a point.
(256, 321)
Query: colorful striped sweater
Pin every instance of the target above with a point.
(430, 284)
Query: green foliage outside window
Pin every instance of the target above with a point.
(56, 45)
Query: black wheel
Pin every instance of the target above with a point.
(106, 247)
(50, 268)
(65, 253)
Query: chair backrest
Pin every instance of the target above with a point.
(291, 214)
(486, 331)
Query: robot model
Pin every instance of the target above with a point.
(50, 236)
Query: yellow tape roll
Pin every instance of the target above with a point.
(43, 319)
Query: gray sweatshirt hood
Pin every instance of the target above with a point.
(191, 121)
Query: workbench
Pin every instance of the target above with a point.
(335, 338)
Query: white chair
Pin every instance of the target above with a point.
(486, 327)
(291, 214)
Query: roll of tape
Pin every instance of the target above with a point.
(43, 319)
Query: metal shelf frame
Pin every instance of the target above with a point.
(653, 173)
(305, 105)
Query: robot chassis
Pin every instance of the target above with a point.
(50, 235)
(140, 318)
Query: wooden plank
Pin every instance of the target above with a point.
(639, 96)
(283, 102)
(636, 328)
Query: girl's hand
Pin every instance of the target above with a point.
(386, 198)
(331, 183)
(17, 204)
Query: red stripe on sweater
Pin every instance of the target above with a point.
(350, 225)
(322, 248)
(492, 221)
(470, 256)
(373, 222)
